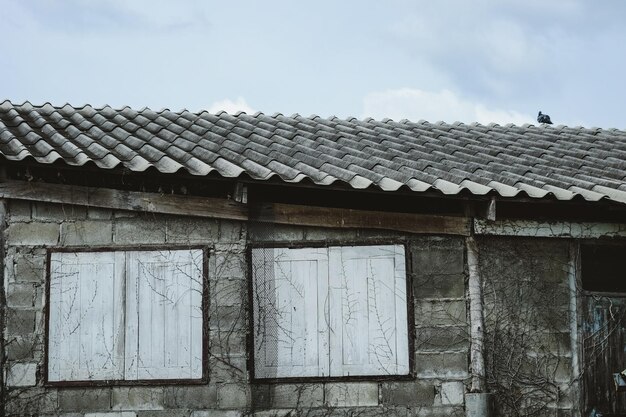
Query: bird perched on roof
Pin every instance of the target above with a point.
(544, 118)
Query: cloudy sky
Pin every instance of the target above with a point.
(486, 61)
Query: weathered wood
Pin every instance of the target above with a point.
(603, 341)
(125, 200)
(368, 311)
(337, 311)
(290, 288)
(164, 317)
(350, 218)
(86, 293)
(532, 228)
(228, 209)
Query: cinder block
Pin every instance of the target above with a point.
(351, 394)
(23, 348)
(85, 399)
(230, 265)
(63, 415)
(410, 393)
(20, 295)
(228, 318)
(290, 413)
(216, 413)
(32, 234)
(296, 395)
(20, 322)
(441, 365)
(442, 338)
(323, 234)
(97, 213)
(260, 396)
(88, 232)
(19, 210)
(112, 414)
(437, 242)
(235, 396)
(567, 396)
(268, 232)
(137, 398)
(228, 343)
(191, 397)
(22, 375)
(165, 413)
(125, 214)
(31, 401)
(558, 343)
(139, 231)
(436, 261)
(440, 313)
(58, 212)
(439, 286)
(229, 292)
(452, 393)
(192, 231)
(563, 370)
(30, 265)
(438, 411)
(387, 411)
(231, 231)
(232, 368)
(555, 270)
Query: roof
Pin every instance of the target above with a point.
(535, 161)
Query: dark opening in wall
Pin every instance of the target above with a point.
(604, 268)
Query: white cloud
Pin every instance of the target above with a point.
(231, 107)
(415, 104)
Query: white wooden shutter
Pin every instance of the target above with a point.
(164, 315)
(368, 311)
(86, 316)
(290, 288)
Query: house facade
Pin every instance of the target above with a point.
(182, 264)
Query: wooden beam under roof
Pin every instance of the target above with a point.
(181, 205)
(221, 208)
(358, 219)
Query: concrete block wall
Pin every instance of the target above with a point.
(34, 227)
(528, 346)
(438, 274)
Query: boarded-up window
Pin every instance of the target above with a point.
(134, 315)
(337, 311)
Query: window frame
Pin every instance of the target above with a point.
(411, 331)
(127, 382)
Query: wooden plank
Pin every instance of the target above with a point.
(530, 228)
(220, 208)
(290, 287)
(164, 325)
(125, 200)
(369, 332)
(86, 316)
(357, 219)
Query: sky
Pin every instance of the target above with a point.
(451, 60)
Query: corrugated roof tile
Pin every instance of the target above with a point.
(539, 161)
